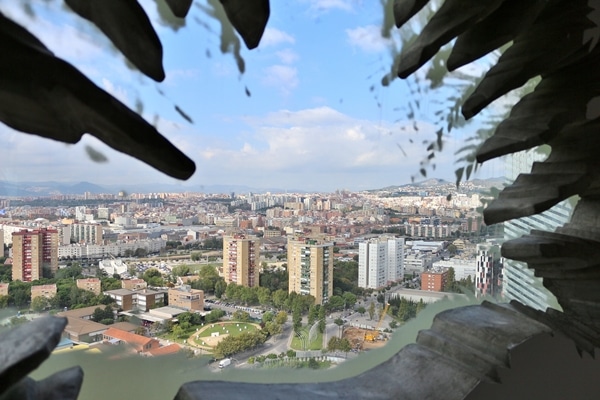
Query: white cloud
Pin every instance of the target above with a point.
(320, 6)
(368, 39)
(316, 146)
(283, 77)
(274, 37)
(287, 56)
(174, 76)
(116, 91)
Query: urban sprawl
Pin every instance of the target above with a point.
(322, 276)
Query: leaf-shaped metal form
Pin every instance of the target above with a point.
(180, 8)
(453, 18)
(46, 96)
(558, 100)
(406, 9)
(128, 27)
(498, 28)
(554, 41)
(249, 18)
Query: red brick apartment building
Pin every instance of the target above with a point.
(434, 281)
(32, 251)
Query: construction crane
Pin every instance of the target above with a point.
(371, 336)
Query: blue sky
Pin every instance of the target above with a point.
(317, 118)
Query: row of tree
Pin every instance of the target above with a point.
(236, 344)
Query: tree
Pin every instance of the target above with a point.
(40, 303)
(241, 316)
(297, 319)
(181, 270)
(279, 298)
(452, 249)
(273, 328)
(19, 293)
(248, 295)
(214, 316)
(4, 301)
(281, 317)
(264, 296)
(208, 271)
(233, 291)
(450, 285)
(335, 303)
(107, 283)
(313, 314)
(5, 272)
(74, 271)
(361, 310)
(349, 299)
(345, 346)
(220, 287)
(371, 310)
(268, 317)
(339, 322)
(322, 323)
(333, 344)
(153, 277)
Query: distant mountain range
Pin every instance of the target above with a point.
(48, 188)
(433, 182)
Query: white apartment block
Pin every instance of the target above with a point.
(428, 231)
(86, 232)
(380, 260)
(113, 249)
(417, 262)
(462, 267)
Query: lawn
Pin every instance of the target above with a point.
(233, 327)
(316, 344)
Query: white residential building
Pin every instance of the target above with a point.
(380, 261)
(462, 267)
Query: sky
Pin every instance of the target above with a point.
(309, 112)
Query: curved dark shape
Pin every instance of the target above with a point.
(180, 8)
(128, 27)
(452, 19)
(249, 18)
(44, 95)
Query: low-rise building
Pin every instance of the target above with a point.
(123, 298)
(187, 298)
(80, 327)
(47, 291)
(3, 289)
(139, 343)
(434, 281)
(142, 300)
(134, 284)
(92, 284)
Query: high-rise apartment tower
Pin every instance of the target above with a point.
(310, 268)
(32, 252)
(241, 255)
(380, 261)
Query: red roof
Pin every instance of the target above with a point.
(161, 351)
(138, 341)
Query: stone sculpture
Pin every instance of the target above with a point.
(554, 39)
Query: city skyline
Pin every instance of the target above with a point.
(300, 116)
